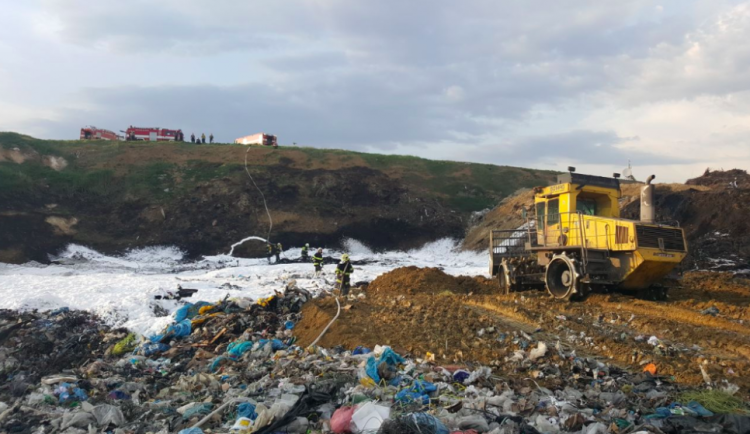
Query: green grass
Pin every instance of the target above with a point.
(464, 187)
(717, 401)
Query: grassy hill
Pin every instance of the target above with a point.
(116, 195)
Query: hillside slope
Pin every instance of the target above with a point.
(117, 195)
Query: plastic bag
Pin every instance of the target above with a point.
(125, 345)
(342, 419)
(106, 414)
(181, 329)
(237, 349)
(372, 369)
(151, 348)
(391, 358)
(427, 423)
(247, 409)
(475, 422)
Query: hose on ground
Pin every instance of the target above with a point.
(338, 312)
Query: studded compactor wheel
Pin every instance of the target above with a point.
(562, 277)
(507, 278)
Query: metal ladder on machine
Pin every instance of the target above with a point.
(584, 245)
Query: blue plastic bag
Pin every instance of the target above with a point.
(191, 431)
(189, 310)
(407, 396)
(215, 364)
(277, 345)
(427, 423)
(460, 376)
(237, 349)
(390, 358)
(699, 409)
(423, 387)
(361, 350)
(150, 348)
(180, 329)
(289, 325)
(247, 410)
(372, 369)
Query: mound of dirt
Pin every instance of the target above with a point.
(432, 281)
(442, 325)
(722, 179)
(702, 323)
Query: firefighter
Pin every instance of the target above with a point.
(211, 138)
(317, 260)
(203, 138)
(192, 137)
(343, 272)
(305, 248)
(278, 251)
(269, 252)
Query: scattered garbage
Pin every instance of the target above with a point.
(233, 366)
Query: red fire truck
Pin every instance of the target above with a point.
(94, 133)
(153, 134)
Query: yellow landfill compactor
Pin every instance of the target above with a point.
(576, 242)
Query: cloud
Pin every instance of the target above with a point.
(580, 82)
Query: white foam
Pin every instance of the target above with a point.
(121, 289)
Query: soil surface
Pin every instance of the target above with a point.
(704, 321)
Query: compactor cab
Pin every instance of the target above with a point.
(576, 241)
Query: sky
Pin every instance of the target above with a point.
(539, 83)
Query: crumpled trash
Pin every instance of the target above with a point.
(713, 311)
(247, 409)
(361, 350)
(418, 392)
(107, 414)
(342, 419)
(125, 345)
(80, 419)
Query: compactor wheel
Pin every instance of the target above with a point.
(562, 277)
(506, 278)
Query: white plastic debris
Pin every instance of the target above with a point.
(538, 352)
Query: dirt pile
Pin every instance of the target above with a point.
(702, 323)
(714, 216)
(507, 215)
(722, 179)
(430, 281)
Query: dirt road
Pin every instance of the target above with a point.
(467, 322)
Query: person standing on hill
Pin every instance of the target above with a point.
(211, 138)
(343, 274)
(269, 252)
(304, 251)
(317, 260)
(192, 138)
(203, 138)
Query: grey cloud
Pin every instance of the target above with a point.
(590, 147)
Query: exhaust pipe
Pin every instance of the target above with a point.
(648, 211)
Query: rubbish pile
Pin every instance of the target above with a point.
(233, 366)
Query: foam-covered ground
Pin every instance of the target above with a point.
(122, 289)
